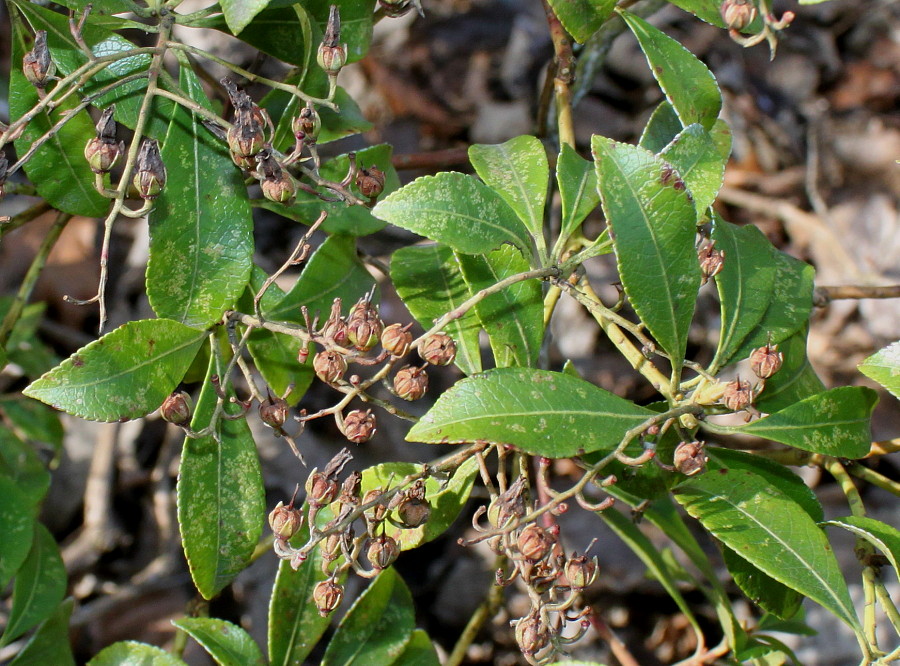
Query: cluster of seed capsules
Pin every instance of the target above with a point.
(340, 547)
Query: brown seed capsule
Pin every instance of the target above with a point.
(350, 489)
(508, 505)
(330, 548)
(711, 261)
(382, 551)
(374, 514)
(150, 177)
(177, 408)
(690, 458)
(246, 163)
(332, 55)
(285, 521)
(414, 510)
(307, 125)
(410, 382)
(738, 395)
(37, 64)
(766, 361)
(327, 596)
(335, 328)
(246, 139)
(359, 426)
(370, 182)
(532, 634)
(281, 189)
(102, 155)
(737, 14)
(438, 349)
(581, 571)
(534, 542)
(364, 326)
(396, 339)
(273, 412)
(329, 366)
(321, 489)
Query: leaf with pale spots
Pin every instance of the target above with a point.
(529, 409)
(227, 643)
(131, 653)
(699, 163)
(125, 374)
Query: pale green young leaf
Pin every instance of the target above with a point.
(884, 367)
(238, 13)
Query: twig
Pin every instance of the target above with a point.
(822, 296)
(23, 218)
(563, 78)
(436, 159)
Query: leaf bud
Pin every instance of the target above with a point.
(280, 189)
(396, 339)
(332, 55)
(273, 412)
(327, 596)
(765, 361)
(370, 182)
(382, 551)
(737, 14)
(738, 395)
(711, 261)
(364, 326)
(690, 458)
(306, 125)
(534, 542)
(410, 382)
(359, 426)
(329, 366)
(414, 510)
(321, 489)
(438, 349)
(37, 65)
(150, 177)
(581, 571)
(532, 634)
(177, 408)
(285, 521)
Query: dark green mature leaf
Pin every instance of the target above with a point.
(662, 127)
(221, 499)
(530, 408)
(457, 210)
(834, 423)
(132, 653)
(578, 193)
(24, 347)
(513, 317)
(17, 523)
(745, 284)
(99, 6)
(884, 368)
(357, 21)
(706, 10)
(286, 33)
(227, 643)
(50, 643)
(39, 586)
(654, 226)
(429, 281)
(518, 170)
(33, 421)
(124, 375)
(795, 380)
(582, 18)
(26, 469)
(760, 588)
(377, 627)
(772, 532)
(419, 651)
(700, 165)
(238, 13)
(446, 499)
(58, 168)
(884, 537)
(201, 229)
(687, 83)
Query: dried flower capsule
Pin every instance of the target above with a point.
(273, 412)
(364, 326)
(330, 548)
(534, 542)
(737, 14)
(374, 514)
(285, 521)
(581, 571)
(509, 505)
(102, 151)
(245, 139)
(332, 55)
(329, 366)
(350, 489)
(327, 596)
(438, 349)
(396, 339)
(410, 382)
(281, 189)
(370, 182)
(711, 261)
(335, 328)
(414, 510)
(321, 489)
(177, 408)
(690, 458)
(382, 551)
(150, 177)
(766, 361)
(532, 634)
(306, 125)
(738, 395)
(359, 426)
(37, 65)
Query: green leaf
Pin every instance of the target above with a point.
(745, 284)
(17, 524)
(662, 127)
(698, 161)
(33, 420)
(457, 210)
(446, 498)
(582, 18)
(39, 586)
(795, 380)
(201, 230)
(834, 423)
(706, 10)
(124, 375)
(884, 537)
(377, 627)
(357, 21)
(884, 368)
(50, 643)
(132, 653)
(760, 588)
(429, 281)
(687, 83)
(221, 499)
(238, 13)
(513, 317)
(227, 643)
(58, 169)
(578, 193)
(295, 625)
(286, 33)
(99, 6)
(772, 532)
(27, 470)
(519, 172)
(419, 651)
(654, 226)
(721, 136)
(530, 408)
